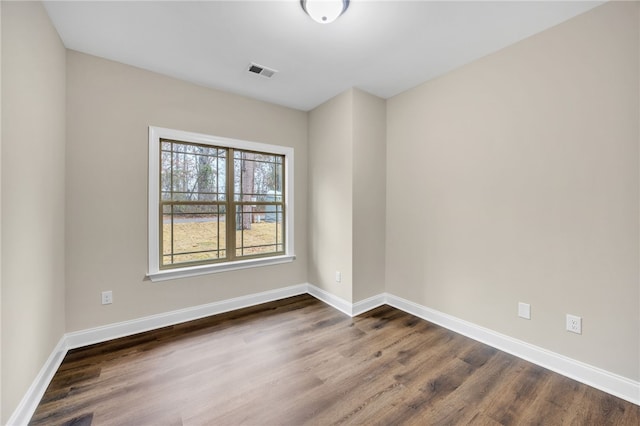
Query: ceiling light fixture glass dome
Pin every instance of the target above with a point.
(324, 11)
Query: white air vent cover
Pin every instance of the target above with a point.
(261, 70)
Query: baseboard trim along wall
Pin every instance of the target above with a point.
(330, 299)
(81, 338)
(31, 399)
(611, 383)
(598, 378)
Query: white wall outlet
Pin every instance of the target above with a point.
(107, 297)
(524, 310)
(574, 324)
(338, 276)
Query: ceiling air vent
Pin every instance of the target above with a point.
(260, 70)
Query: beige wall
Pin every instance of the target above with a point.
(347, 181)
(369, 194)
(109, 109)
(522, 171)
(33, 190)
(331, 195)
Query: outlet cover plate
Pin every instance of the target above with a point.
(524, 310)
(574, 324)
(107, 297)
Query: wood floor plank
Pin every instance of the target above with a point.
(518, 395)
(298, 361)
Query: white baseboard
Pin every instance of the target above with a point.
(611, 383)
(90, 336)
(598, 378)
(31, 399)
(342, 305)
(368, 304)
(330, 299)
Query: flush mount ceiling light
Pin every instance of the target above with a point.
(324, 11)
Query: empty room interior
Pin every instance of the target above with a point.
(393, 212)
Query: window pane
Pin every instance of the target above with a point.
(192, 233)
(192, 172)
(259, 231)
(257, 177)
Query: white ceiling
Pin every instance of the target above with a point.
(382, 47)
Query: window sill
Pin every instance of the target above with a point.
(192, 271)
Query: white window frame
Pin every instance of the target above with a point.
(154, 271)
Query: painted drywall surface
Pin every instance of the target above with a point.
(347, 195)
(109, 109)
(33, 192)
(331, 195)
(515, 178)
(369, 194)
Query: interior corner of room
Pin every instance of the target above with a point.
(511, 179)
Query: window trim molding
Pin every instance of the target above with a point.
(153, 193)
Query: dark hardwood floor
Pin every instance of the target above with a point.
(298, 361)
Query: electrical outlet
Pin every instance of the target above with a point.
(574, 324)
(524, 310)
(338, 276)
(107, 297)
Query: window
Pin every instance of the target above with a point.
(217, 204)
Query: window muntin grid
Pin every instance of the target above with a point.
(194, 199)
